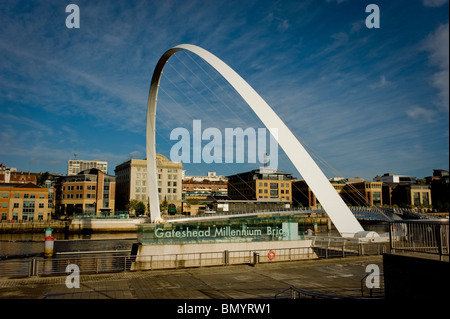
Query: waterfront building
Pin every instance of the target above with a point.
(211, 177)
(394, 178)
(440, 189)
(24, 202)
(90, 192)
(353, 193)
(204, 188)
(11, 175)
(407, 195)
(260, 184)
(131, 177)
(369, 193)
(75, 166)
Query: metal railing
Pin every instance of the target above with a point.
(374, 292)
(329, 247)
(243, 213)
(294, 292)
(420, 236)
(102, 263)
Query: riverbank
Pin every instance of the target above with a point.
(34, 227)
(88, 225)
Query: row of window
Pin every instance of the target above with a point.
(168, 197)
(169, 170)
(69, 196)
(17, 195)
(24, 216)
(80, 187)
(27, 206)
(282, 197)
(282, 191)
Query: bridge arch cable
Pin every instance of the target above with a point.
(360, 198)
(237, 117)
(196, 104)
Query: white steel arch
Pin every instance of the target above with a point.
(341, 216)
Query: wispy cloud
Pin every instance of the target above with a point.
(383, 82)
(434, 3)
(437, 46)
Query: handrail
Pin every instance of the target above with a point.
(320, 295)
(370, 289)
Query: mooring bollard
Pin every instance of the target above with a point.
(48, 242)
(48, 231)
(255, 258)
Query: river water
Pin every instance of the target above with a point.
(32, 245)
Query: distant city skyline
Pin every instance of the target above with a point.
(367, 101)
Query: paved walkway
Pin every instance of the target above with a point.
(341, 276)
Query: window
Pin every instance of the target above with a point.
(90, 195)
(79, 187)
(28, 206)
(5, 195)
(5, 205)
(416, 197)
(425, 199)
(376, 198)
(41, 196)
(41, 205)
(16, 205)
(16, 195)
(26, 195)
(90, 187)
(32, 195)
(79, 195)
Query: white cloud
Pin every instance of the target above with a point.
(383, 82)
(417, 112)
(434, 3)
(437, 44)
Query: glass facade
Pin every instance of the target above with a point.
(218, 231)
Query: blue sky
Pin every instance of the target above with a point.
(368, 101)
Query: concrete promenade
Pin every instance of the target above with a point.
(340, 276)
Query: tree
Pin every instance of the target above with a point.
(164, 205)
(140, 208)
(132, 205)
